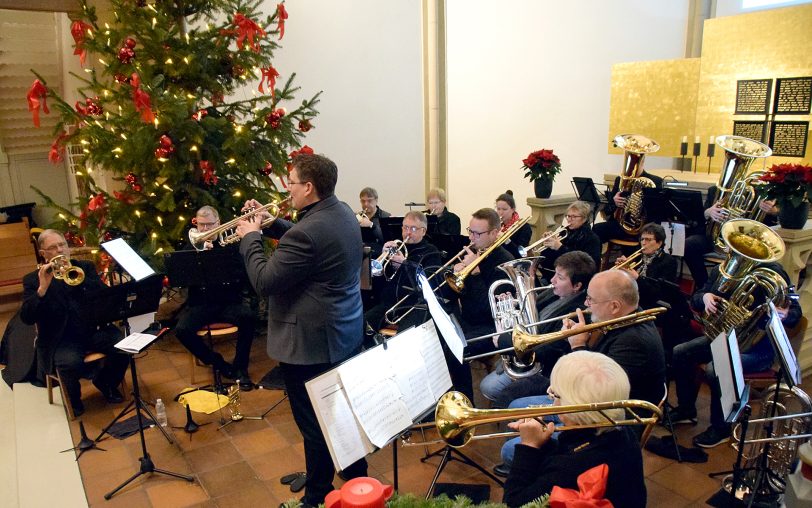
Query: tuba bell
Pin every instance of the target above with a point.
(750, 244)
(632, 216)
(737, 194)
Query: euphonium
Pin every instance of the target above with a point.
(456, 281)
(65, 271)
(632, 215)
(631, 262)
(456, 418)
(524, 342)
(749, 244)
(736, 194)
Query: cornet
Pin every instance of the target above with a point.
(538, 246)
(63, 270)
(227, 233)
(361, 216)
(631, 262)
(379, 265)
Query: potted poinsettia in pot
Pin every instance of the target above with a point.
(540, 167)
(790, 186)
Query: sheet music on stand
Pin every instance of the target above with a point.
(727, 364)
(791, 370)
(377, 395)
(449, 329)
(674, 243)
(128, 258)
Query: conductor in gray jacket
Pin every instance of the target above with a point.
(312, 281)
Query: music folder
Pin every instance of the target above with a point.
(727, 364)
(791, 370)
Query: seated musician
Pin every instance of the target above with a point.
(63, 339)
(540, 463)
(222, 303)
(652, 266)
(400, 275)
(448, 223)
(573, 271)
(611, 228)
(689, 355)
(506, 208)
(369, 218)
(579, 237)
(698, 243)
(475, 311)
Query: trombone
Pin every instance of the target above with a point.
(538, 246)
(455, 418)
(456, 281)
(438, 271)
(63, 270)
(379, 265)
(631, 262)
(227, 233)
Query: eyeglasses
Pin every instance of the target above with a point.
(435, 202)
(570, 217)
(206, 224)
(291, 182)
(56, 246)
(647, 239)
(411, 229)
(477, 234)
(591, 301)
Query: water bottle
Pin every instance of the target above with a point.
(160, 413)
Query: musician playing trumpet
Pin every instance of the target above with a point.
(369, 218)
(448, 223)
(579, 237)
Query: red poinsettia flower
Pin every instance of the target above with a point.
(787, 183)
(541, 164)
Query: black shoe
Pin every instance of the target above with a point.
(502, 470)
(711, 437)
(110, 393)
(681, 415)
(246, 385)
(78, 409)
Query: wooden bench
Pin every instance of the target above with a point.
(17, 257)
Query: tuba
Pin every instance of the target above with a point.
(749, 244)
(632, 216)
(737, 194)
(790, 417)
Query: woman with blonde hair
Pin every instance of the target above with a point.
(448, 223)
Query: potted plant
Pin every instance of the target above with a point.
(541, 167)
(790, 186)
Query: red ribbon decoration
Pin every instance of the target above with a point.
(281, 16)
(269, 74)
(78, 29)
(141, 100)
(591, 488)
(96, 202)
(209, 175)
(247, 28)
(55, 155)
(37, 96)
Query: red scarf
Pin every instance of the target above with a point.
(507, 224)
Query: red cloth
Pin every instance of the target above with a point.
(513, 218)
(591, 488)
(247, 28)
(78, 30)
(269, 74)
(141, 100)
(37, 96)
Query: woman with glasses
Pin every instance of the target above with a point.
(579, 237)
(400, 272)
(448, 223)
(541, 463)
(506, 208)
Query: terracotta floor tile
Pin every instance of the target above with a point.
(274, 465)
(213, 456)
(137, 498)
(662, 497)
(174, 493)
(253, 493)
(260, 442)
(224, 480)
(686, 481)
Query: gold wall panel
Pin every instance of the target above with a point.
(770, 44)
(656, 99)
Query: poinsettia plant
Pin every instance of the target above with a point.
(787, 183)
(541, 165)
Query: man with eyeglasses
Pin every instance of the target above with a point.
(369, 218)
(63, 339)
(401, 274)
(218, 303)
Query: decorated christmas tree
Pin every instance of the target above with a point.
(159, 113)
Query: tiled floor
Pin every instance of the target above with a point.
(241, 465)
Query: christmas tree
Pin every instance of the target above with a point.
(159, 114)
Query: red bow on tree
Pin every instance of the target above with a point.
(247, 28)
(305, 149)
(97, 203)
(141, 100)
(591, 488)
(269, 74)
(78, 30)
(37, 95)
(281, 16)
(55, 155)
(209, 175)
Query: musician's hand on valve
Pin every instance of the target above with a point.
(532, 432)
(46, 276)
(711, 302)
(581, 339)
(768, 206)
(247, 226)
(619, 200)
(552, 243)
(253, 204)
(717, 213)
(397, 259)
(365, 222)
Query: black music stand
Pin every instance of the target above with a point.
(585, 191)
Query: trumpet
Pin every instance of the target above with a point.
(456, 419)
(440, 270)
(538, 246)
(227, 233)
(381, 262)
(457, 280)
(63, 270)
(361, 216)
(631, 262)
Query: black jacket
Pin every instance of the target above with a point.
(583, 239)
(476, 309)
(610, 204)
(535, 471)
(639, 350)
(448, 223)
(662, 268)
(519, 238)
(373, 236)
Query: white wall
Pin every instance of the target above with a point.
(733, 7)
(366, 55)
(532, 74)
